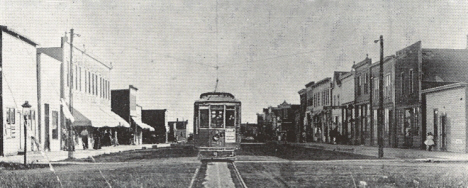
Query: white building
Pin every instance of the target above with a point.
(18, 84)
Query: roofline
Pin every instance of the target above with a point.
(310, 84)
(386, 59)
(132, 87)
(99, 61)
(15, 33)
(322, 81)
(444, 87)
(362, 63)
(153, 109)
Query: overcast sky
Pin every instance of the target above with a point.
(266, 50)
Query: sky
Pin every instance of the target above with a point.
(265, 50)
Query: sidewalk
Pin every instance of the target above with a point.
(391, 153)
(36, 156)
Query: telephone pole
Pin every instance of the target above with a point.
(70, 68)
(381, 100)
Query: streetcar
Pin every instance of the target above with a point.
(216, 127)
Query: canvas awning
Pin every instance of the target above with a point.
(141, 124)
(95, 116)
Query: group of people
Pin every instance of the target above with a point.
(101, 138)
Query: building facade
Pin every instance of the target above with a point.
(18, 63)
(389, 129)
(362, 113)
(155, 118)
(124, 104)
(48, 88)
(446, 116)
(321, 110)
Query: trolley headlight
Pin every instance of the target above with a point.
(216, 137)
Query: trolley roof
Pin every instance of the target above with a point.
(217, 97)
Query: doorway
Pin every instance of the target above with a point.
(46, 127)
(443, 132)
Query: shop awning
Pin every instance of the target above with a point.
(141, 124)
(95, 116)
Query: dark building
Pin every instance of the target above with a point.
(124, 104)
(155, 118)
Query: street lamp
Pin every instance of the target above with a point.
(26, 113)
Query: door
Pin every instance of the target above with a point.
(443, 133)
(46, 127)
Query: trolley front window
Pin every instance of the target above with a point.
(230, 118)
(204, 121)
(217, 116)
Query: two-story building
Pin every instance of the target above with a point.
(389, 129)
(18, 61)
(85, 88)
(321, 111)
(124, 104)
(346, 100)
(408, 100)
(362, 112)
(337, 109)
(49, 62)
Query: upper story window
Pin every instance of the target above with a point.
(366, 86)
(410, 81)
(358, 85)
(338, 99)
(376, 88)
(402, 83)
(387, 82)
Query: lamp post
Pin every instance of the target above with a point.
(380, 114)
(26, 112)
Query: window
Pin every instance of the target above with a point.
(76, 77)
(358, 85)
(217, 116)
(230, 116)
(93, 83)
(334, 100)
(86, 81)
(402, 83)
(55, 125)
(10, 117)
(387, 82)
(338, 99)
(366, 87)
(89, 82)
(96, 84)
(376, 89)
(204, 121)
(410, 82)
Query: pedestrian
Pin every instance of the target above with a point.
(84, 138)
(429, 141)
(97, 139)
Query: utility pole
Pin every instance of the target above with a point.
(381, 100)
(70, 68)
